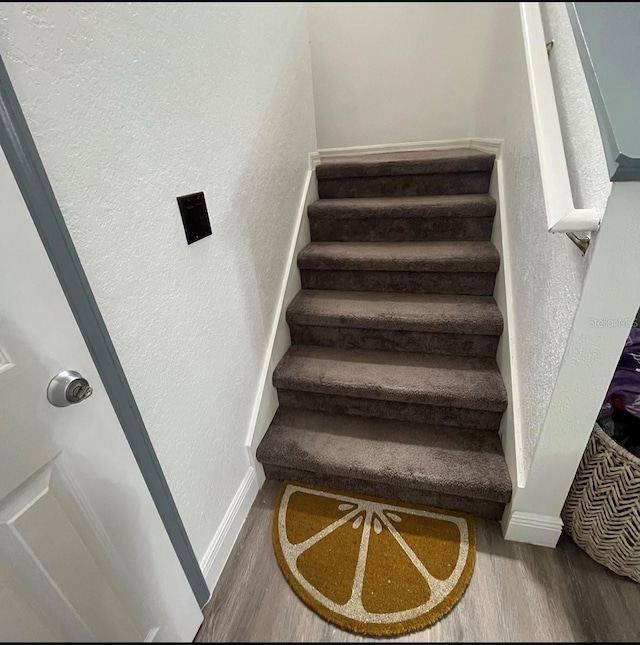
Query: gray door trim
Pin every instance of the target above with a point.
(26, 165)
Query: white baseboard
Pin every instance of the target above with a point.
(410, 146)
(486, 145)
(266, 402)
(216, 555)
(543, 530)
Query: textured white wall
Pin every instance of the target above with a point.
(130, 106)
(610, 294)
(582, 141)
(390, 72)
(546, 270)
(584, 353)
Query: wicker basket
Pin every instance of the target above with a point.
(602, 511)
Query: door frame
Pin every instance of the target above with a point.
(31, 177)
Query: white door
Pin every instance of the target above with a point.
(83, 552)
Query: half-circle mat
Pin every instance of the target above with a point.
(372, 566)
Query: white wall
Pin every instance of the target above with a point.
(546, 270)
(395, 72)
(609, 302)
(130, 106)
(582, 141)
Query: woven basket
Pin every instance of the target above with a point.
(602, 511)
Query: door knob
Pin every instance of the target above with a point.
(68, 387)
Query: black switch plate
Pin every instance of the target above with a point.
(195, 217)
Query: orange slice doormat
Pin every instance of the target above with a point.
(372, 566)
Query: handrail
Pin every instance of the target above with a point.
(562, 215)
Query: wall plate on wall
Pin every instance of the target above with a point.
(195, 216)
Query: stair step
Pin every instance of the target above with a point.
(402, 311)
(439, 324)
(432, 172)
(400, 219)
(458, 257)
(450, 390)
(447, 467)
(412, 378)
(422, 162)
(414, 267)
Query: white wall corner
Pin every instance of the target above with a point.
(486, 145)
(542, 530)
(266, 400)
(314, 160)
(225, 537)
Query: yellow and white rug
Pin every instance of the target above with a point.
(369, 565)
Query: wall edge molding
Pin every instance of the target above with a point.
(541, 530)
(512, 383)
(487, 145)
(220, 547)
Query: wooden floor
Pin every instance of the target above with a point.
(518, 593)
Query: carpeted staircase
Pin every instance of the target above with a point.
(390, 387)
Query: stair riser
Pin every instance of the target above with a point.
(475, 284)
(432, 414)
(401, 229)
(462, 183)
(478, 507)
(395, 340)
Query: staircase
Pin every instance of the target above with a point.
(390, 387)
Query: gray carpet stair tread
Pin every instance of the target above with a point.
(406, 163)
(404, 207)
(398, 311)
(447, 460)
(462, 382)
(455, 257)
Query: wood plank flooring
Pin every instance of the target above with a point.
(518, 593)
